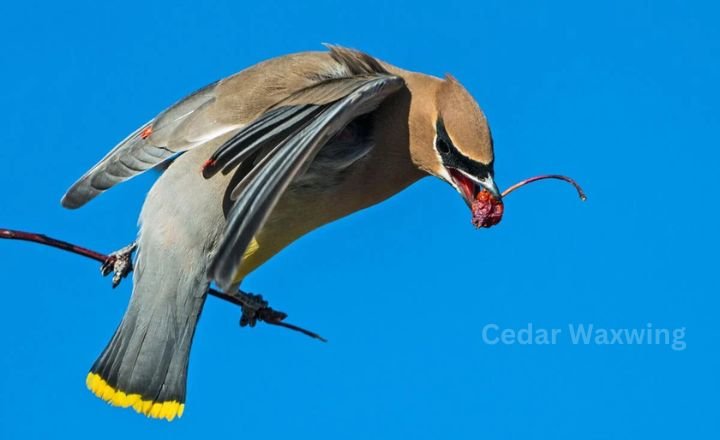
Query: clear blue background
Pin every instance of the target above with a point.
(622, 95)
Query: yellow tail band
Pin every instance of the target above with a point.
(157, 410)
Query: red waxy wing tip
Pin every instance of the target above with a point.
(146, 132)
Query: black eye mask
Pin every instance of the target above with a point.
(453, 158)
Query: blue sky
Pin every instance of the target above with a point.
(621, 95)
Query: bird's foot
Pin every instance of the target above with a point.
(255, 308)
(119, 263)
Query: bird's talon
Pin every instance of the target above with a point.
(119, 263)
(255, 308)
(252, 305)
(108, 265)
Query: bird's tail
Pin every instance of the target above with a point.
(145, 364)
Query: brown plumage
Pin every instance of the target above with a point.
(269, 154)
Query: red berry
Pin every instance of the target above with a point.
(486, 210)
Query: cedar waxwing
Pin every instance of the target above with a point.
(268, 155)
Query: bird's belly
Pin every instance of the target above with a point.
(293, 217)
(300, 210)
(313, 199)
(341, 180)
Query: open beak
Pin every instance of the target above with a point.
(489, 184)
(469, 186)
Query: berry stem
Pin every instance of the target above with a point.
(567, 179)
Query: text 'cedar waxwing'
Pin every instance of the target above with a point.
(268, 155)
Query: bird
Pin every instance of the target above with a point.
(251, 163)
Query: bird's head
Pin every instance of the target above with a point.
(460, 151)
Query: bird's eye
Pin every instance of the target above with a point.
(442, 146)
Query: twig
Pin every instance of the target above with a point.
(253, 306)
(522, 183)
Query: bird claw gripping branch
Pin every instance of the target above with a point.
(255, 309)
(119, 263)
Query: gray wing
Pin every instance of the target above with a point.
(286, 140)
(177, 129)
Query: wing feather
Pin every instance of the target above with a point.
(173, 131)
(195, 120)
(297, 144)
(266, 130)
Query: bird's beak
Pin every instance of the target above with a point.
(489, 184)
(469, 186)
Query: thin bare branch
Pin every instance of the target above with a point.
(254, 308)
